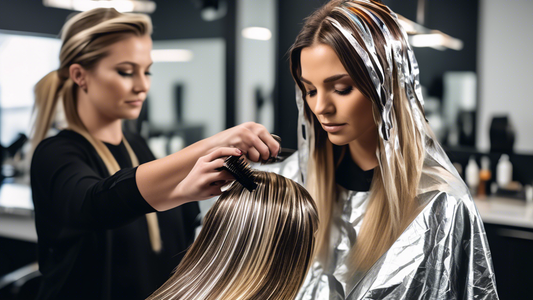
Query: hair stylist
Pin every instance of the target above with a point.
(99, 195)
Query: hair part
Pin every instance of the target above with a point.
(392, 205)
(253, 245)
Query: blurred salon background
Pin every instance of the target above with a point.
(219, 63)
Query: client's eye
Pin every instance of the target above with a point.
(124, 73)
(311, 93)
(344, 91)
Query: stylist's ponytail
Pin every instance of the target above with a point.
(46, 97)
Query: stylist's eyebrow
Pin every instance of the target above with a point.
(132, 63)
(327, 80)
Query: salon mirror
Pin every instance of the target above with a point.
(488, 78)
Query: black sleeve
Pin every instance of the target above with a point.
(66, 186)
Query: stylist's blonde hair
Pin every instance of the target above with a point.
(85, 40)
(253, 246)
(392, 202)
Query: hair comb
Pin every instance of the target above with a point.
(242, 172)
(282, 154)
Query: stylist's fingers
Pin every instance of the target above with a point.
(214, 191)
(198, 184)
(273, 145)
(215, 169)
(221, 153)
(260, 139)
(261, 148)
(216, 182)
(224, 176)
(253, 154)
(220, 177)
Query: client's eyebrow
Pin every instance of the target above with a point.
(327, 80)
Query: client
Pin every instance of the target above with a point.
(253, 245)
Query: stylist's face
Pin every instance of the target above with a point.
(343, 111)
(118, 84)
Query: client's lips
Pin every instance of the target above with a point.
(333, 127)
(135, 102)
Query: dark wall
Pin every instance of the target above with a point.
(182, 20)
(31, 16)
(291, 14)
(455, 18)
(172, 19)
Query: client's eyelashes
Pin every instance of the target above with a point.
(311, 93)
(345, 91)
(124, 74)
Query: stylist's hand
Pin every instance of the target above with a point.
(252, 138)
(204, 180)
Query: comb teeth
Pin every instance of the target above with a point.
(242, 172)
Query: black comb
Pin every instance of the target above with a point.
(242, 172)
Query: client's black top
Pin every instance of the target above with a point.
(351, 177)
(92, 233)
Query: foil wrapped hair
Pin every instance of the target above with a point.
(398, 52)
(390, 64)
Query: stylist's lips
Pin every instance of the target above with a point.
(134, 102)
(333, 127)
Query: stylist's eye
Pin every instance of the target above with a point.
(148, 73)
(311, 93)
(344, 91)
(124, 74)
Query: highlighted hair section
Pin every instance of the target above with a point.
(253, 245)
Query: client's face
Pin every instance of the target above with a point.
(343, 111)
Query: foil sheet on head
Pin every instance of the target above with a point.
(443, 253)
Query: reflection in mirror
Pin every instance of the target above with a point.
(255, 61)
(459, 107)
(186, 101)
(24, 60)
(505, 61)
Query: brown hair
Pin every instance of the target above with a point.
(256, 245)
(392, 204)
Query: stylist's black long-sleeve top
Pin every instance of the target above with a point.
(93, 238)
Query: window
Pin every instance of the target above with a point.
(24, 60)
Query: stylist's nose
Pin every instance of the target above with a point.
(141, 84)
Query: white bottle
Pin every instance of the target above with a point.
(504, 171)
(472, 174)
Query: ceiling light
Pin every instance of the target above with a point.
(171, 55)
(144, 6)
(420, 36)
(436, 40)
(257, 33)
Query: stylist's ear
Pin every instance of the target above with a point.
(79, 76)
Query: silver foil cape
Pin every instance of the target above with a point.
(443, 253)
